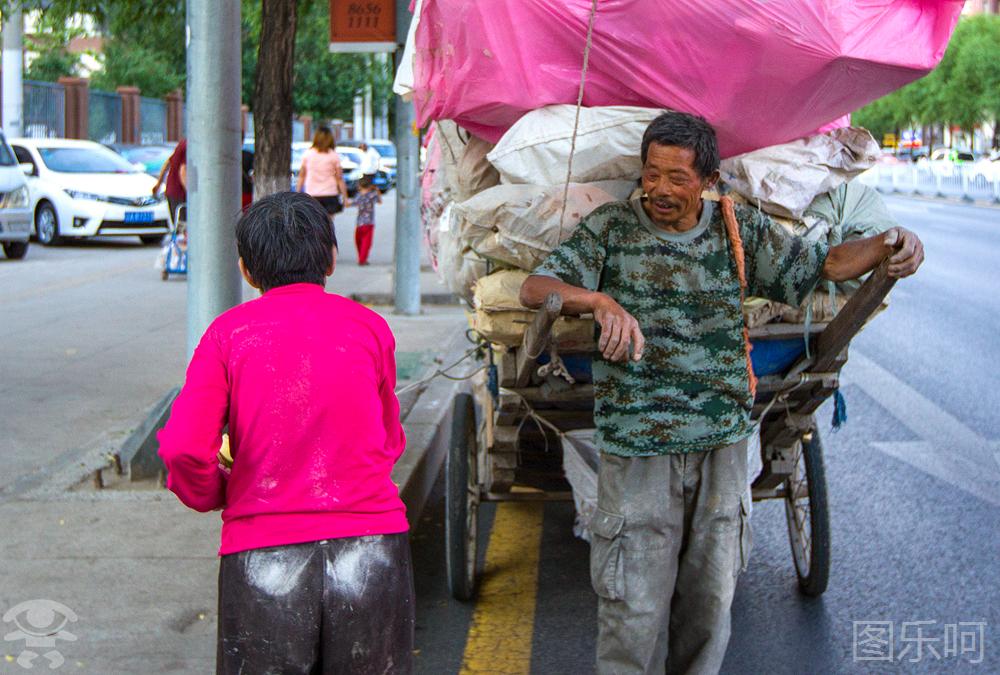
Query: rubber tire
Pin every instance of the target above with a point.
(815, 582)
(15, 250)
(56, 238)
(150, 239)
(460, 548)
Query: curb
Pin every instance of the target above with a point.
(427, 428)
(426, 425)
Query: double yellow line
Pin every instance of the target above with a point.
(503, 622)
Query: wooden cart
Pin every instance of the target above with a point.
(505, 446)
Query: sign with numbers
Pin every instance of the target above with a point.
(362, 25)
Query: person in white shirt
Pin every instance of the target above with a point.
(370, 159)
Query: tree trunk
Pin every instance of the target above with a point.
(272, 97)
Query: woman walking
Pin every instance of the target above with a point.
(322, 175)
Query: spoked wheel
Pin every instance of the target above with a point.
(462, 500)
(808, 517)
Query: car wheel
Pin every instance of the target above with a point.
(149, 239)
(47, 225)
(15, 250)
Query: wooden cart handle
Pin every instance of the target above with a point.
(536, 338)
(848, 322)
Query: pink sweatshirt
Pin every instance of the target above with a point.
(305, 379)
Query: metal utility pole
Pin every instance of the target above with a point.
(213, 161)
(13, 66)
(406, 281)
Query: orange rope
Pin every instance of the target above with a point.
(739, 257)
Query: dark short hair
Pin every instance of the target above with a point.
(365, 181)
(286, 238)
(684, 130)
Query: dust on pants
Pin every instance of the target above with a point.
(330, 606)
(671, 535)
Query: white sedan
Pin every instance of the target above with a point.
(82, 189)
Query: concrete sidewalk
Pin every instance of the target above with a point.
(137, 568)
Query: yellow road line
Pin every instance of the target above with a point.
(503, 622)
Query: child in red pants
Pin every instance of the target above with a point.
(366, 199)
(315, 575)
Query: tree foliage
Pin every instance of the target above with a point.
(325, 83)
(964, 90)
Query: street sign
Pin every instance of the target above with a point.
(362, 26)
(888, 140)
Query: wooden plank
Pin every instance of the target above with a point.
(852, 317)
(784, 331)
(507, 368)
(579, 392)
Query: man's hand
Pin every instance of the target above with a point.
(618, 330)
(909, 252)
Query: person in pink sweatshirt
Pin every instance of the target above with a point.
(315, 572)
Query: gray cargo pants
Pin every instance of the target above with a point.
(671, 534)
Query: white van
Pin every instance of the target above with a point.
(15, 211)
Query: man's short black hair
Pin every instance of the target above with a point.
(684, 130)
(286, 238)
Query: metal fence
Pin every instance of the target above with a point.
(978, 181)
(44, 110)
(153, 120)
(105, 125)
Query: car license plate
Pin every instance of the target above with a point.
(138, 216)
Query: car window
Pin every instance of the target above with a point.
(85, 160)
(6, 156)
(23, 156)
(384, 149)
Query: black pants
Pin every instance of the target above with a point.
(331, 606)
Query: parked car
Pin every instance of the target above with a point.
(952, 155)
(911, 154)
(82, 189)
(151, 157)
(15, 212)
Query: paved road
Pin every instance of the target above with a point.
(914, 480)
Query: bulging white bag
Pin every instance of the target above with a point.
(536, 149)
(783, 180)
(519, 225)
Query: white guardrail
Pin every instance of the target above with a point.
(971, 182)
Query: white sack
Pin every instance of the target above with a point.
(536, 149)
(784, 179)
(458, 266)
(519, 225)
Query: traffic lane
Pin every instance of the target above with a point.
(940, 332)
(92, 337)
(905, 547)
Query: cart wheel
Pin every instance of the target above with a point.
(808, 517)
(164, 274)
(462, 500)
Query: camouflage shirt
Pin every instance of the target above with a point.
(690, 392)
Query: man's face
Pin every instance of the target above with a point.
(673, 187)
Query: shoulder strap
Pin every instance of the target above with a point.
(739, 258)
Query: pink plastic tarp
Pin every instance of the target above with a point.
(761, 71)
